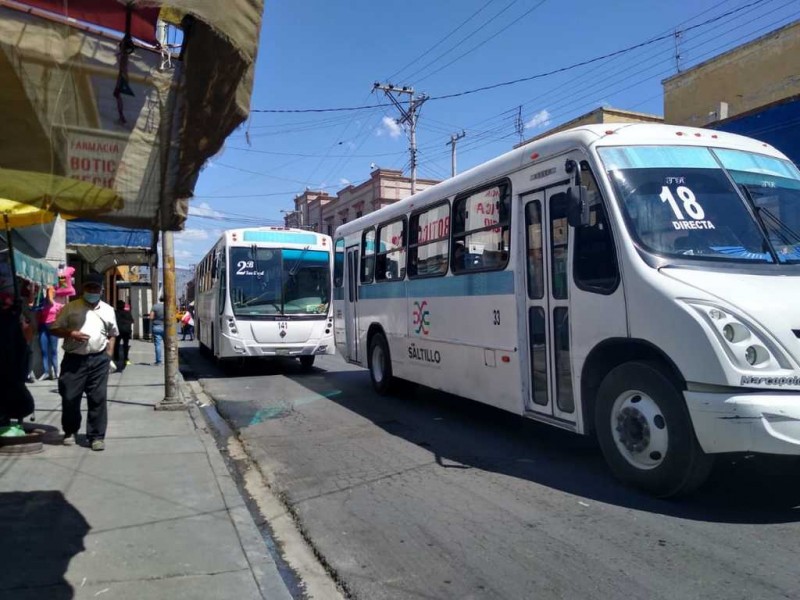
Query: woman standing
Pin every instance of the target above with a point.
(47, 341)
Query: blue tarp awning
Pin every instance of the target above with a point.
(89, 233)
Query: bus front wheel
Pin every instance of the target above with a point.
(645, 431)
(380, 364)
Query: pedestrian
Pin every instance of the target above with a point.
(89, 328)
(48, 343)
(28, 326)
(125, 325)
(157, 327)
(16, 401)
(188, 326)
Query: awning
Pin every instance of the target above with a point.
(35, 270)
(62, 117)
(108, 14)
(31, 269)
(104, 246)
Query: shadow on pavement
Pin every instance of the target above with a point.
(195, 365)
(463, 434)
(40, 532)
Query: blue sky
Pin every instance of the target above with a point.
(317, 54)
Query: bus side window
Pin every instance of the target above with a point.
(595, 266)
(428, 242)
(481, 229)
(338, 263)
(390, 257)
(368, 255)
(223, 287)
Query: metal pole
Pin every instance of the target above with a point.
(453, 139)
(413, 149)
(172, 396)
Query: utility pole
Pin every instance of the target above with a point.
(519, 124)
(454, 137)
(677, 51)
(409, 115)
(172, 394)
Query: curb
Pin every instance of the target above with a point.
(269, 512)
(274, 579)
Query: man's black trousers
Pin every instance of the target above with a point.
(84, 373)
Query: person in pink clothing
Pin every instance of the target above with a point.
(47, 341)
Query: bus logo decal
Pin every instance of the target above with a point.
(421, 317)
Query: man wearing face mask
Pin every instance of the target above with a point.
(88, 326)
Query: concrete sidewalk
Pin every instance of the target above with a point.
(156, 515)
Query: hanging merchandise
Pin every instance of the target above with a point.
(126, 48)
(66, 283)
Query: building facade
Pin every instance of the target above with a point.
(753, 90)
(318, 211)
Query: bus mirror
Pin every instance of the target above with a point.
(577, 206)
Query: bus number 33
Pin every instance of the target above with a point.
(496, 317)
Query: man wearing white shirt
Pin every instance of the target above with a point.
(88, 326)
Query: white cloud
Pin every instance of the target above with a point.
(192, 235)
(345, 182)
(389, 127)
(203, 209)
(540, 119)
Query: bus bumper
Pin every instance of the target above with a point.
(767, 423)
(252, 349)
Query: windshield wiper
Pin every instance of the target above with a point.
(296, 265)
(789, 234)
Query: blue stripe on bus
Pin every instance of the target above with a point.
(494, 283)
(280, 237)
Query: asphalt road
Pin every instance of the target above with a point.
(426, 495)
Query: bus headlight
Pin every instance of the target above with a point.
(232, 326)
(746, 345)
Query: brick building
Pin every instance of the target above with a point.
(318, 211)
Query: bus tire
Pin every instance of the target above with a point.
(645, 431)
(307, 361)
(379, 362)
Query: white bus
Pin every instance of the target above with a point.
(265, 292)
(640, 283)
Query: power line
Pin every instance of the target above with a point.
(493, 36)
(531, 77)
(571, 95)
(592, 60)
(441, 41)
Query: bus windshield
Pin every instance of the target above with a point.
(773, 186)
(678, 201)
(279, 282)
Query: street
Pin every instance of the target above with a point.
(426, 495)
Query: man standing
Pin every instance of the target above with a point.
(88, 326)
(125, 326)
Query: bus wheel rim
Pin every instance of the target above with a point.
(377, 363)
(639, 430)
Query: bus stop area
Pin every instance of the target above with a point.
(157, 515)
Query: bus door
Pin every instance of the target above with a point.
(351, 303)
(547, 303)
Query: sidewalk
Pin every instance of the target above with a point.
(156, 515)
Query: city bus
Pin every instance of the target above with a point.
(639, 283)
(265, 292)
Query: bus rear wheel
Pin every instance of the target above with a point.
(379, 362)
(645, 431)
(307, 361)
